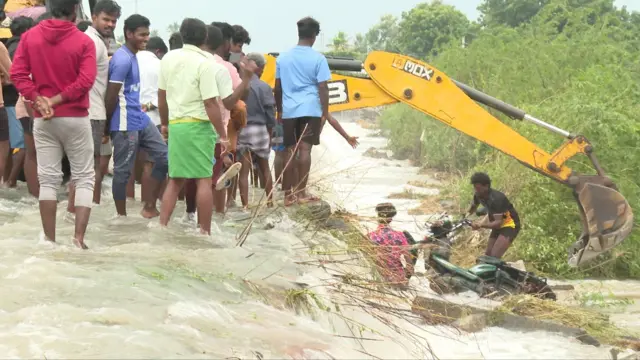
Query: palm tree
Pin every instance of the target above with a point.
(154, 33)
(173, 28)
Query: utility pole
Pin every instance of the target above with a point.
(135, 6)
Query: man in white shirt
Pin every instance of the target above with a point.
(149, 63)
(104, 19)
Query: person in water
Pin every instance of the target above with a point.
(392, 245)
(502, 217)
(54, 68)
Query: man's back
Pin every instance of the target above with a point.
(149, 72)
(61, 59)
(97, 110)
(180, 73)
(300, 70)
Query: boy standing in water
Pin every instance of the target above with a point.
(130, 128)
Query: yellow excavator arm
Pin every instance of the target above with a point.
(385, 78)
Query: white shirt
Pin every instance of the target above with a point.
(149, 70)
(97, 110)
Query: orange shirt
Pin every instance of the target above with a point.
(237, 121)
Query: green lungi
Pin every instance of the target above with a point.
(191, 148)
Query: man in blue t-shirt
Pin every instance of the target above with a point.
(129, 127)
(302, 100)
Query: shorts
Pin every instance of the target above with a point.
(4, 124)
(191, 149)
(27, 125)
(508, 232)
(143, 154)
(218, 166)
(294, 130)
(100, 149)
(16, 134)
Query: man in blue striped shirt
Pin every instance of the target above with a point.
(129, 127)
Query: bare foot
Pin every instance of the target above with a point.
(80, 244)
(309, 198)
(149, 213)
(290, 200)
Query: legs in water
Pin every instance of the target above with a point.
(30, 162)
(74, 136)
(190, 191)
(278, 164)
(263, 167)
(17, 164)
(304, 167)
(289, 178)
(4, 139)
(125, 147)
(243, 178)
(155, 147)
(16, 138)
(169, 199)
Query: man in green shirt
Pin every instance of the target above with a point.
(189, 86)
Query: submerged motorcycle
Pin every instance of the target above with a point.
(490, 277)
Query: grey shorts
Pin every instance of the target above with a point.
(100, 149)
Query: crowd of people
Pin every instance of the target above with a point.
(190, 121)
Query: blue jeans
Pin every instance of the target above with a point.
(125, 147)
(16, 133)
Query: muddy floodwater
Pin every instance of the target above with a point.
(145, 292)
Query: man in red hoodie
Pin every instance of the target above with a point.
(62, 61)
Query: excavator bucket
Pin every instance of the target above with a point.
(607, 219)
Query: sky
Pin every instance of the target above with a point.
(273, 27)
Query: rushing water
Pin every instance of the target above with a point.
(145, 292)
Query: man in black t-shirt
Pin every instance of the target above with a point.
(503, 219)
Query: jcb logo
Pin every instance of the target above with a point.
(338, 92)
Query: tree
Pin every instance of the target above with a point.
(511, 13)
(382, 36)
(429, 27)
(340, 42)
(154, 33)
(173, 28)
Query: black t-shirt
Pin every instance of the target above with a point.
(498, 204)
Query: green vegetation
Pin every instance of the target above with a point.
(572, 63)
(594, 323)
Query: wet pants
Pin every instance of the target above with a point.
(54, 138)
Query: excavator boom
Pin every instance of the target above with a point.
(387, 78)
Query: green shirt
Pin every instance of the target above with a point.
(189, 76)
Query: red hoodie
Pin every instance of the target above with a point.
(55, 58)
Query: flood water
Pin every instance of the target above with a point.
(145, 292)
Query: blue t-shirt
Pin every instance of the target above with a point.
(123, 69)
(300, 70)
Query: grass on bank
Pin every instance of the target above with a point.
(593, 322)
